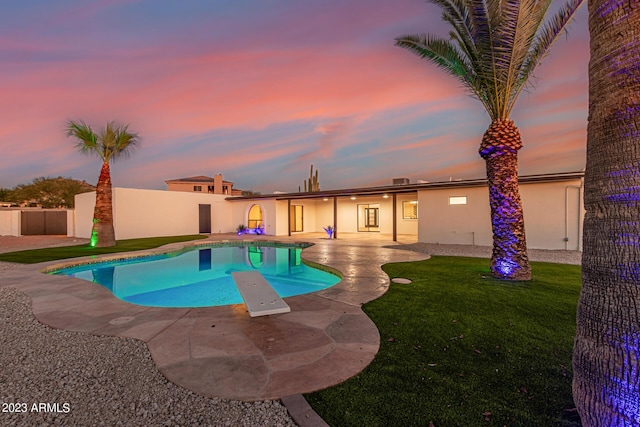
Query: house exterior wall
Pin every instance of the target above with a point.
(552, 211)
(324, 214)
(406, 226)
(203, 184)
(187, 187)
(468, 224)
(273, 214)
(318, 214)
(309, 215)
(152, 213)
(281, 218)
(553, 214)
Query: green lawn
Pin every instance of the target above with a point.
(459, 348)
(33, 256)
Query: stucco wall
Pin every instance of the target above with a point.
(84, 203)
(151, 213)
(187, 187)
(309, 215)
(347, 217)
(9, 222)
(439, 222)
(553, 214)
(406, 226)
(546, 212)
(324, 214)
(271, 216)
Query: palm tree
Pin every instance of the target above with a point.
(494, 47)
(606, 356)
(110, 143)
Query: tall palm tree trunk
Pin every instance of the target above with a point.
(102, 233)
(606, 357)
(499, 149)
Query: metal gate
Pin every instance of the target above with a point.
(43, 222)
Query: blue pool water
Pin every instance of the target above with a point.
(201, 277)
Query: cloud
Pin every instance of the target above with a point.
(260, 93)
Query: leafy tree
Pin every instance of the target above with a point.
(493, 49)
(606, 357)
(110, 143)
(6, 195)
(51, 192)
(248, 193)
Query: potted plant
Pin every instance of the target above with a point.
(241, 229)
(329, 230)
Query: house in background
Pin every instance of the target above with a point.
(451, 212)
(203, 184)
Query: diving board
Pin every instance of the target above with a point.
(259, 297)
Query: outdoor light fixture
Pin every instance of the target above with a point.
(386, 196)
(353, 197)
(325, 199)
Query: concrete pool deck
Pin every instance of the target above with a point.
(222, 351)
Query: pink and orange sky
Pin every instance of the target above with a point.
(260, 90)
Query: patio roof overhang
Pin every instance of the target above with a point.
(408, 188)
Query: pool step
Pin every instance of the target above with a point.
(259, 297)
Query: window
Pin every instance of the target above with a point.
(255, 217)
(457, 200)
(295, 218)
(197, 188)
(410, 209)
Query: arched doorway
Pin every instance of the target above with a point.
(254, 219)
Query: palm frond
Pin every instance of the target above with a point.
(486, 17)
(494, 45)
(86, 139)
(116, 141)
(455, 13)
(514, 36)
(439, 51)
(111, 142)
(544, 40)
(125, 142)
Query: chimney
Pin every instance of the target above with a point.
(217, 183)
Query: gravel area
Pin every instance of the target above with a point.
(544, 255)
(99, 380)
(6, 265)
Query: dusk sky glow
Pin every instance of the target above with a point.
(260, 90)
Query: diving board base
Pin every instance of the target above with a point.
(258, 295)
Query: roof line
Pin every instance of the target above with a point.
(409, 188)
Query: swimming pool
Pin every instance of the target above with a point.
(201, 276)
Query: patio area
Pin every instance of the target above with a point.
(222, 351)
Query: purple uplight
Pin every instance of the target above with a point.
(623, 392)
(608, 6)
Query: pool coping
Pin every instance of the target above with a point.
(221, 351)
